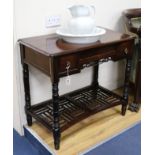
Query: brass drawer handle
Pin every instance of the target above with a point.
(94, 63)
(105, 60)
(126, 51)
(68, 65)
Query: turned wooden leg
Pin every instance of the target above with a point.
(56, 126)
(27, 93)
(126, 86)
(135, 105)
(95, 80)
(95, 75)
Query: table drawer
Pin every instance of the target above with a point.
(97, 54)
(71, 60)
(123, 50)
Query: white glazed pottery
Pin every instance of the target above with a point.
(81, 38)
(82, 21)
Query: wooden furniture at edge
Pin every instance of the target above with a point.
(130, 14)
(52, 55)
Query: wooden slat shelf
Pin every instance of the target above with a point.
(76, 106)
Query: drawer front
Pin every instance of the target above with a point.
(97, 54)
(68, 60)
(83, 58)
(37, 60)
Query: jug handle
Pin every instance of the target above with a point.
(92, 10)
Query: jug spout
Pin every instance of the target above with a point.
(73, 10)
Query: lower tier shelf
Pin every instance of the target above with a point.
(76, 106)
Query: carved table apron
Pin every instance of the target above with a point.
(52, 55)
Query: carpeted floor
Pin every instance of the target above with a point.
(21, 146)
(127, 143)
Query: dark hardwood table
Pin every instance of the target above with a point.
(54, 57)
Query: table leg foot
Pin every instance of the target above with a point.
(134, 107)
(124, 107)
(29, 120)
(56, 135)
(57, 146)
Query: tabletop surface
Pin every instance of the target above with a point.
(52, 45)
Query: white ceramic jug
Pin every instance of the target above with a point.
(82, 21)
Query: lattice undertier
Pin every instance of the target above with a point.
(76, 106)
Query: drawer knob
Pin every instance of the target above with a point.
(126, 51)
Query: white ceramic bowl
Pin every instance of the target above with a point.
(81, 39)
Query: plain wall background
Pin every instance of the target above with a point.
(29, 20)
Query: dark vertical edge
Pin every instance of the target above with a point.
(95, 80)
(95, 75)
(22, 53)
(26, 85)
(126, 85)
(135, 106)
(55, 95)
